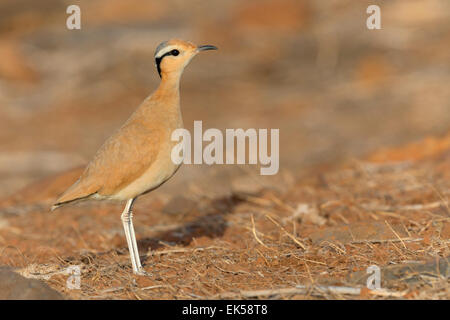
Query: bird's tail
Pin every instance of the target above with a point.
(75, 193)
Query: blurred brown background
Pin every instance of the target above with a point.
(335, 89)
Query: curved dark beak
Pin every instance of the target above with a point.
(206, 47)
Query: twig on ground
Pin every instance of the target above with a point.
(153, 287)
(410, 207)
(388, 240)
(396, 234)
(396, 215)
(302, 290)
(255, 235)
(287, 233)
(181, 250)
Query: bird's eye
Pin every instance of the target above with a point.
(175, 52)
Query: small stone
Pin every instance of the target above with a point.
(15, 287)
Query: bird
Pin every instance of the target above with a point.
(136, 159)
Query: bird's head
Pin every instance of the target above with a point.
(172, 56)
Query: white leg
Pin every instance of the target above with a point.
(127, 220)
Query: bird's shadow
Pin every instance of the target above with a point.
(211, 225)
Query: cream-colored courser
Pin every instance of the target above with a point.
(137, 158)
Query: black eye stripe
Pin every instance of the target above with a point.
(158, 65)
(173, 52)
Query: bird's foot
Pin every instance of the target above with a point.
(142, 272)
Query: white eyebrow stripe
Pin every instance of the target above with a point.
(163, 51)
